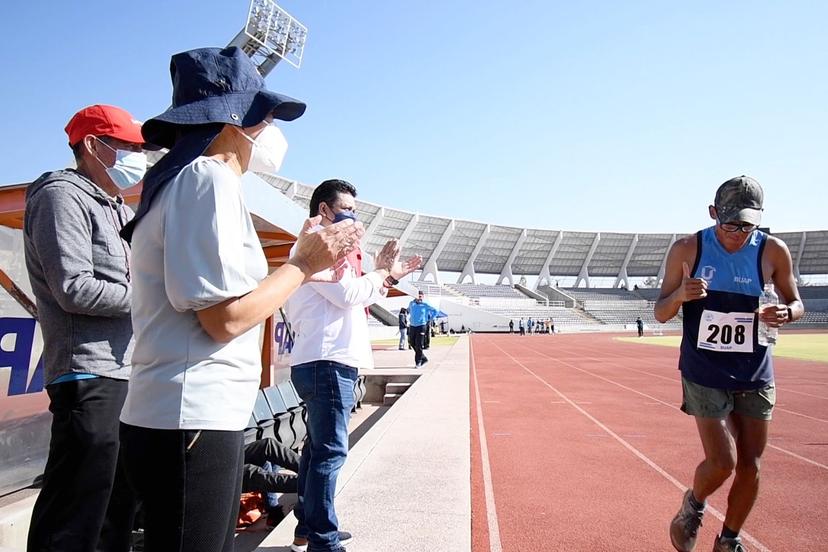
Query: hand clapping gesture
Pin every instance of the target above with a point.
(388, 259)
(321, 254)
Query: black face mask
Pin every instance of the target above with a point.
(344, 215)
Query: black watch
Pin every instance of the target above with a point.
(391, 281)
(790, 315)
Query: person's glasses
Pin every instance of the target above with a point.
(743, 227)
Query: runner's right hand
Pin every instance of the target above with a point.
(692, 289)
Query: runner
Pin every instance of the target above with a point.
(727, 376)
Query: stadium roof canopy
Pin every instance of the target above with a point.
(471, 248)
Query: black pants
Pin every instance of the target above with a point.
(255, 478)
(85, 503)
(418, 341)
(189, 482)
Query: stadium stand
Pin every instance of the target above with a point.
(597, 294)
(650, 294)
(477, 291)
(430, 288)
(563, 317)
(466, 249)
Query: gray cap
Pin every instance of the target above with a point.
(740, 200)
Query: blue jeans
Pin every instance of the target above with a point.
(327, 388)
(402, 337)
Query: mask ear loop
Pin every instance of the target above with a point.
(98, 159)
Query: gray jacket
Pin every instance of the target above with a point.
(79, 270)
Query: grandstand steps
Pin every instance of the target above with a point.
(451, 292)
(557, 294)
(390, 398)
(393, 391)
(540, 298)
(587, 316)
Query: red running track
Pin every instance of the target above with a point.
(584, 448)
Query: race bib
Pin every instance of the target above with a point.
(726, 332)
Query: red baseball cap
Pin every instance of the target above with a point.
(104, 120)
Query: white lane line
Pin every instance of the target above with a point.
(744, 534)
(798, 457)
(674, 407)
(488, 488)
(808, 381)
(779, 381)
(792, 413)
(789, 390)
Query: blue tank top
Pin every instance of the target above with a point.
(719, 347)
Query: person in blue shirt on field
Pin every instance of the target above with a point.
(420, 314)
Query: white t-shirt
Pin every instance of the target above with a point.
(330, 322)
(195, 248)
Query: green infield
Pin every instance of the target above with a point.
(435, 341)
(800, 346)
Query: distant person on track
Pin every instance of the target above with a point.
(640, 325)
(421, 314)
(511, 326)
(521, 327)
(716, 276)
(402, 319)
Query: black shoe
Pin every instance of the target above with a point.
(423, 362)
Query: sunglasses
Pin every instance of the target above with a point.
(743, 227)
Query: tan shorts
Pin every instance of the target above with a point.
(707, 402)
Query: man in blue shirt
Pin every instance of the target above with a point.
(716, 277)
(419, 314)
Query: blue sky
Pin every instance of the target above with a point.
(609, 116)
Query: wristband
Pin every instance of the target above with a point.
(790, 315)
(390, 281)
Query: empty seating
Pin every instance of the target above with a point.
(595, 294)
(283, 428)
(251, 432)
(263, 417)
(299, 415)
(359, 392)
(483, 290)
(813, 292)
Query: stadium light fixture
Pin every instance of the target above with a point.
(270, 35)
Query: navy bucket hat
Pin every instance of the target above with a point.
(212, 85)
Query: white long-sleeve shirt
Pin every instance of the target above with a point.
(329, 320)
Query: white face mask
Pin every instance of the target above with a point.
(269, 149)
(129, 168)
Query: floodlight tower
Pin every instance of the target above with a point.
(270, 35)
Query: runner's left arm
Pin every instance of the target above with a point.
(780, 266)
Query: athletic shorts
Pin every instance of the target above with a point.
(707, 402)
